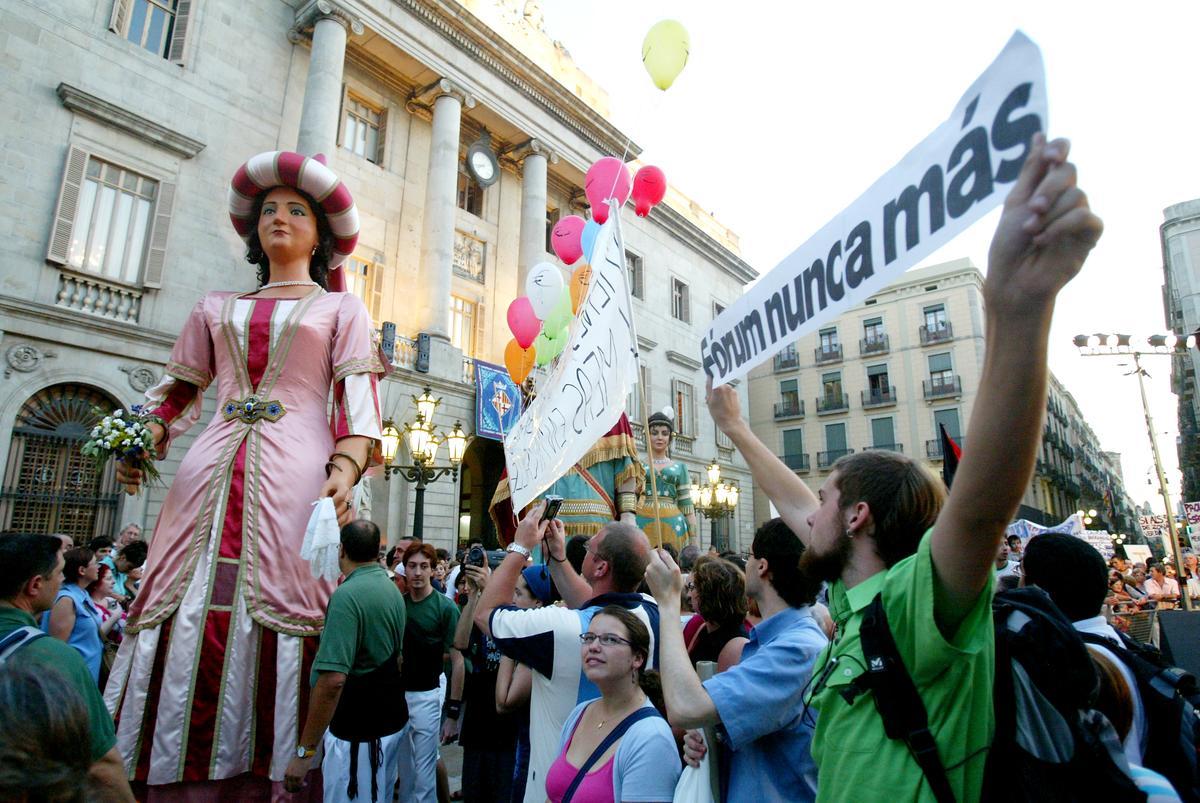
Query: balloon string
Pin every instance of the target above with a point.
(617, 174)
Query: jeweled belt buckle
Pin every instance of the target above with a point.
(252, 409)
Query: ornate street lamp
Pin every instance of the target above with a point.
(423, 444)
(716, 500)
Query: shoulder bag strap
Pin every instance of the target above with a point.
(609, 741)
(897, 699)
(18, 639)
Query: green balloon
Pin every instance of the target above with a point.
(560, 317)
(544, 348)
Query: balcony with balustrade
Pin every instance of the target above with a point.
(933, 448)
(878, 397)
(871, 346)
(887, 447)
(789, 408)
(796, 462)
(940, 333)
(787, 360)
(828, 353)
(827, 459)
(942, 387)
(832, 403)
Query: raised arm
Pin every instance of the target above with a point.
(500, 587)
(1041, 242)
(791, 497)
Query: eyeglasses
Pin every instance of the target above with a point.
(689, 586)
(605, 639)
(595, 552)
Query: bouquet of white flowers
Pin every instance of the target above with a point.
(123, 435)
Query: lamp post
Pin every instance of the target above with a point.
(423, 444)
(716, 500)
(1086, 516)
(1105, 345)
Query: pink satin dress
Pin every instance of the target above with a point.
(210, 687)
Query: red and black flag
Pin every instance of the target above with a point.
(951, 454)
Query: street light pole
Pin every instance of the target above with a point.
(1162, 486)
(1124, 349)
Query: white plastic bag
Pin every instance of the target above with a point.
(695, 783)
(321, 541)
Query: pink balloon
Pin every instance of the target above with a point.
(649, 187)
(564, 238)
(607, 178)
(523, 322)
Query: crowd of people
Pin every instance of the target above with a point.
(850, 655)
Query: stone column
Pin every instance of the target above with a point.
(437, 229)
(533, 209)
(323, 88)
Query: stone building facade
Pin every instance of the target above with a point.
(126, 119)
(1180, 236)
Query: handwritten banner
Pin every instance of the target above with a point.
(956, 175)
(1192, 511)
(1154, 526)
(585, 394)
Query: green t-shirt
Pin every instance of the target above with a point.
(364, 624)
(429, 636)
(50, 653)
(855, 758)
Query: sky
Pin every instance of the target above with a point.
(788, 111)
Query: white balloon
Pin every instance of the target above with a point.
(544, 286)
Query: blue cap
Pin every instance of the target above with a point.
(538, 580)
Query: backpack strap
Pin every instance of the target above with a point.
(17, 639)
(897, 699)
(612, 738)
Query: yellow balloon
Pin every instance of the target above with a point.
(665, 52)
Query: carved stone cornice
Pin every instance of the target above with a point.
(516, 154)
(111, 114)
(316, 10)
(421, 101)
(683, 360)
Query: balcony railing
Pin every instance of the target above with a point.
(787, 360)
(888, 447)
(789, 409)
(796, 462)
(936, 334)
(874, 345)
(833, 403)
(878, 397)
(933, 448)
(828, 353)
(827, 459)
(940, 388)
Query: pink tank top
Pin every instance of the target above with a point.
(596, 786)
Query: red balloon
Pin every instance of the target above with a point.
(523, 322)
(649, 188)
(565, 238)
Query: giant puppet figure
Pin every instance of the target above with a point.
(211, 683)
(603, 486)
(671, 516)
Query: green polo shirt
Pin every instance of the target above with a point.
(364, 624)
(55, 656)
(855, 758)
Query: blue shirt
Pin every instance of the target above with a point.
(85, 636)
(119, 578)
(761, 705)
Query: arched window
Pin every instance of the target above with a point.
(49, 487)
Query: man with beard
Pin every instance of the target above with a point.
(760, 720)
(871, 532)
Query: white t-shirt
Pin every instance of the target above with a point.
(1135, 740)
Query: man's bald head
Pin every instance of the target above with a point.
(627, 551)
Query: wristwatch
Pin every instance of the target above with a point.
(305, 752)
(520, 550)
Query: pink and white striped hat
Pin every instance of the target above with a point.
(266, 171)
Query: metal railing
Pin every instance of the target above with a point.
(796, 462)
(888, 447)
(827, 459)
(933, 448)
(787, 360)
(874, 345)
(833, 403)
(939, 388)
(826, 354)
(936, 334)
(789, 409)
(878, 397)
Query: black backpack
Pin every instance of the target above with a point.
(1050, 743)
(1171, 699)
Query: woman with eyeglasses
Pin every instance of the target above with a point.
(618, 747)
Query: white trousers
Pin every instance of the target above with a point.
(335, 769)
(418, 753)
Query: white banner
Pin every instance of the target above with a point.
(1101, 540)
(943, 185)
(1138, 553)
(1154, 526)
(1026, 529)
(1192, 511)
(585, 395)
